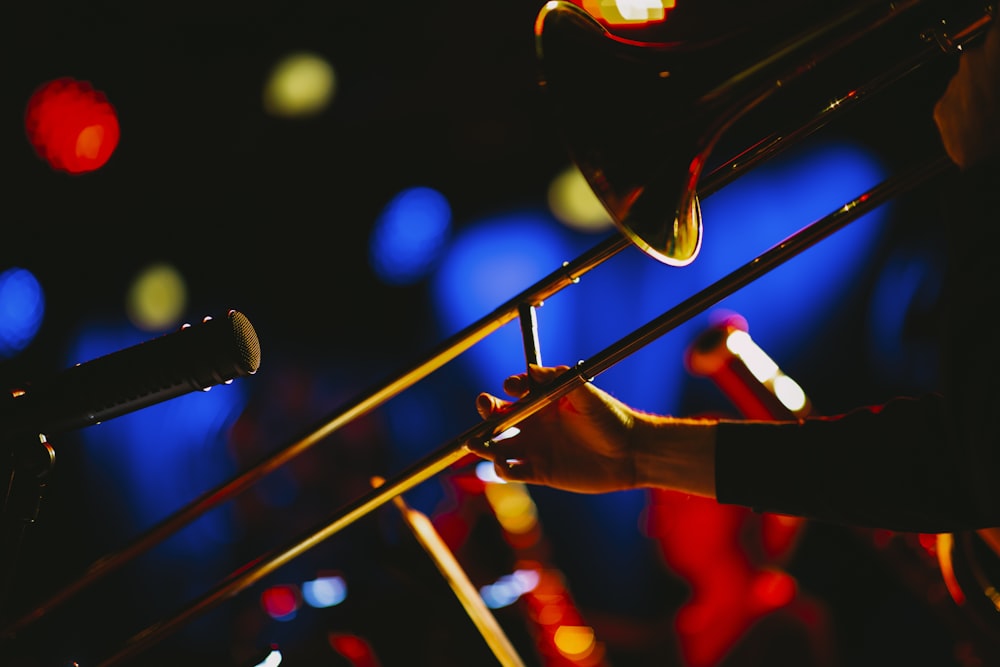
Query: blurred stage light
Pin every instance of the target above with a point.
(154, 460)
(487, 472)
(486, 264)
(354, 649)
(324, 592)
(300, 84)
(789, 393)
(281, 602)
(513, 506)
(273, 659)
(71, 125)
(628, 12)
(22, 308)
(156, 298)
(774, 589)
(574, 641)
(766, 371)
(769, 204)
(573, 202)
(409, 235)
(506, 590)
(490, 261)
(901, 319)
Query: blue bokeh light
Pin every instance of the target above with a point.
(492, 260)
(900, 325)
(409, 235)
(793, 303)
(155, 460)
(22, 309)
(324, 592)
(486, 265)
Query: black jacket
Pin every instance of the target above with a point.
(927, 463)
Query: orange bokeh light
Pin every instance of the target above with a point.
(71, 125)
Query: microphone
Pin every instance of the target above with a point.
(194, 358)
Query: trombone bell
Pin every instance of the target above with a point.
(640, 119)
(574, 50)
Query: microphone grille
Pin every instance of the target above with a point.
(248, 347)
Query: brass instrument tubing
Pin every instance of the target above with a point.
(778, 254)
(538, 399)
(484, 620)
(773, 144)
(568, 274)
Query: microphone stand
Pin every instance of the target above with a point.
(26, 465)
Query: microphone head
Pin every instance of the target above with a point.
(199, 356)
(247, 345)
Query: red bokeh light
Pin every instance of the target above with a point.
(356, 650)
(280, 602)
(71, 125)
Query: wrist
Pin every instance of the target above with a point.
(677, 454)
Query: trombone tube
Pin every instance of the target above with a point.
(768, 147)
(568, 274)
(533, 296)
(484, 620)
(536, 400)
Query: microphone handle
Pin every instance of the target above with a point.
(194, 358)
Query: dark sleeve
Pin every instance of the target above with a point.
(924, 464)
(890, 466)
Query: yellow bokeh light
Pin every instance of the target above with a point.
(573, 202)
(624, 12)
(156, 298)
(514, 508)
(300, 84)
(574, 641)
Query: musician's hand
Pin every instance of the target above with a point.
(968, 113)
(581, 442)
(590, 442)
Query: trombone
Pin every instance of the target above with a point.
(652, 189)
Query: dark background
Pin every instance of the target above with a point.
(273, 218)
